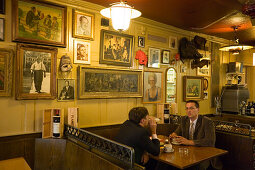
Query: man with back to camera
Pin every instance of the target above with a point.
(196, 130)
(134, 133)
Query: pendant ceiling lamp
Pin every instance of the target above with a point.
(236, 48)
(121, 14)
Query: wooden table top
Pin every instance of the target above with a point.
(182, 160)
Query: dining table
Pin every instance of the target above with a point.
(183, 156)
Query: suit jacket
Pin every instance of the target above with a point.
(204, 134)
(138, 137)
(67, 93)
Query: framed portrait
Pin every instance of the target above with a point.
(36, 72)
(81, 52)
(6, 70)
(154, 58)
(116, 48)
(173, 42)
(39, 23)
(153, 87)
(2, 6)
(108, 83)
(2, 29)
(141, 41)
(66, 90)
(165, 59)
(83, 25)
(193, 88)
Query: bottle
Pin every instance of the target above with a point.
(252, 109)
(166, 115)
(56, 124)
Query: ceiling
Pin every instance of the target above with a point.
(213, 17)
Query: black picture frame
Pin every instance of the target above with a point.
(2, 6)
(141, 41)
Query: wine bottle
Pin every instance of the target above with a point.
(166, 115)
(56, 125)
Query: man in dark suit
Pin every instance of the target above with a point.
(134, 133)
(67, 93)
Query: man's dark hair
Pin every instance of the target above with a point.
(137, 113)
(193, 101)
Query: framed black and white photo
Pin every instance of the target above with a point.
(141, 41)
(1, 29)
(165, 57)
(154, 58)
(2, 6)
(66, 89)
(173, 42)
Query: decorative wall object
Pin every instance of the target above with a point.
(36, 72)
(39, 22)
(116, 48)
(65, 64)
(173, 42)
(165, 57)
(153, 87)
(81, 52)
(6, 70)
(141, 56)
(193, 88)
(66, 90)
(141, 41)
(2, 6)
(2, 29)
(205, 69)
(154, 58)
(109, 83)
(83, 25)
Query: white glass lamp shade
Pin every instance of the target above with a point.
(120, 13)
(238, 47)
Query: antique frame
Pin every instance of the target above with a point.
(27, 55)
(156, 78)
(154, 58)
(71, 89)
(141, 41)
(2, 6)
(165, 56)
(78, 30)
(49, 27)
(2, 29)
(116, 48)
(193, 88)
(6, 71)
(108, 83)
(81, 52)
(173, 42)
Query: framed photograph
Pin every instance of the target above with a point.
(83, 25)
(141, 41)
(6, 70)
(109, 83)
(173, 42)
(81, 52)
(153, 87)
(2, 6)
(39, 23)
(154, 58)
(66, 89)
(165, 57)
(193, 88)
(36, 72)
(204, 71)
(116, 48)
(2, 29)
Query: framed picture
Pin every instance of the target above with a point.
(154, 58)
(2, 29)
(2, 6)
(193, 88)
(81, 52)
(152, 87)
(66, 89)
(173, 42)
(109, 83)
(36, 72)
(6, 70)
(83, 25)
(141, 41)
(116, 48)
(165, 57)
(39, 23)
(204, 71)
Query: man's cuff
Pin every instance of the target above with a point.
(154, 136)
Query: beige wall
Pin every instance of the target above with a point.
(25, 116)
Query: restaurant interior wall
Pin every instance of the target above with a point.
(25, 116)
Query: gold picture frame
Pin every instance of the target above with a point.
(96, 82)
(83, 25)
(193, 88)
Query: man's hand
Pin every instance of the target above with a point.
(184, 141)
(172, 135)
(152, 125)
(145, 158)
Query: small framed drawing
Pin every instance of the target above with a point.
(141, 41)
(81, 52)
(193, 88)
(1, 29)
(66, 89)
(173, 42)
(165, 57)
(2, 6)
(152, 87)
(154, 58)
(83, 25)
